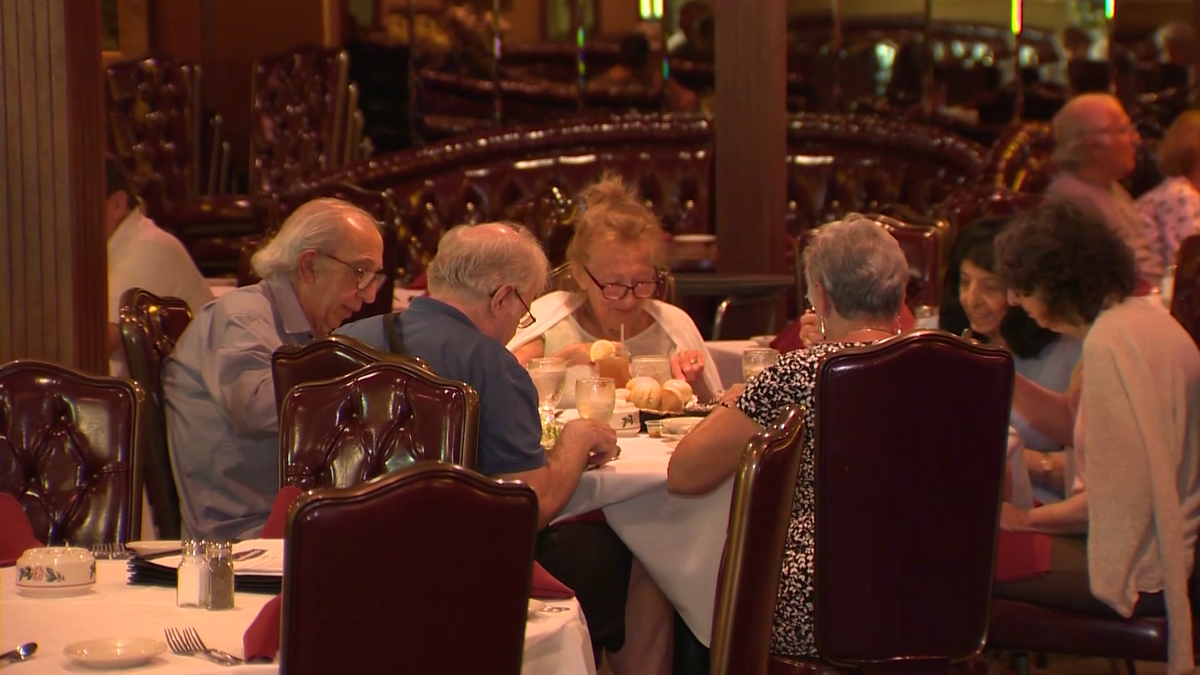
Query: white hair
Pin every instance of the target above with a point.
(860, 266)
(471, 265)
(1073, 124)
(317, 225)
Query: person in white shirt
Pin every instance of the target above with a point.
(140, 255)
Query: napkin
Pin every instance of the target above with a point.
(277, 521)
(1022, 555)
(546, 587)
(261, 640)
(16, 534)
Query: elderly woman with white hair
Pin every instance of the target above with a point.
(223, 426)
(856, 276)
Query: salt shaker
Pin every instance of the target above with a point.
(191, 589)
(220, 580)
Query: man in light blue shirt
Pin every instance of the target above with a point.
(223, 426)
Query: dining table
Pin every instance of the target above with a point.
(556, 642)
(678, 539)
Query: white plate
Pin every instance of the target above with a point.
(536, 606)
(145, 548)
(763, 341)
(628, 433)
(55, 591)
(114, 652)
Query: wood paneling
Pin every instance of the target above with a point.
(177, 28)
(751, 190)
(52, 291)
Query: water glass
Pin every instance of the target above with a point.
(596, 397)
(1168, 285)
(754, 361)
(549, 377)
(656, 366)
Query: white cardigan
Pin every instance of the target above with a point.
(558, 305)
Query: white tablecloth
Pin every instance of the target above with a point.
(678, 539)
(400, 296)
(727, 357)
(554, 642)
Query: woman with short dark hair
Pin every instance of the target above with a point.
(1133, 424)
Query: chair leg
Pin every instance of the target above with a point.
(1131, 666)
(1021, 662)
(719, 317)
(1041, 660)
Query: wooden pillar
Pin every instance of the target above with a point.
(52, 281)
(751, 135)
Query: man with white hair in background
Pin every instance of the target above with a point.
(1096, 148)
(480, 285)
(320, 268)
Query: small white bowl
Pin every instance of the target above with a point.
(625, 420)
(678, 427)
(57, 570)
(114, 652)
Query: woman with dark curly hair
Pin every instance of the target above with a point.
(974, 299)
(1133, 423)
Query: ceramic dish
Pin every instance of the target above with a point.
(678, 427)
(145, 548)
(56, 571)
(111, 653)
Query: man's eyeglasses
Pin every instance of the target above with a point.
(614, 291)
(527, 319)
(366, 278)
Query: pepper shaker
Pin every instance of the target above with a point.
(220, 583)
(191, 585)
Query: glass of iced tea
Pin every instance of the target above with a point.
(615, 366)
(595, 397)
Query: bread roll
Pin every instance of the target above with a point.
(645, 393)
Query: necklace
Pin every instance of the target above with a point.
(887, 331)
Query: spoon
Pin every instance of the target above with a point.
(19, 654)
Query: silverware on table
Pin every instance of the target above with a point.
(109, 551)
(187, 642)
(21, 653)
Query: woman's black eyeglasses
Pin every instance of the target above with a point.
(614, 291)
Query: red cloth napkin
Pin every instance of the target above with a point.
(1022, 555)
(789, 340)
(16, 534)
(546, 587)
(419, 283)
(261, 641)
(277, 521)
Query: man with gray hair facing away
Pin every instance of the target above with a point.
(222, 422)
(1096, 148)
(480, 284)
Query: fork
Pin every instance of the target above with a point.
(187, 642)
(109, 551)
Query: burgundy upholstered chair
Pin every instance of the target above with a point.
(759, 515)
(342, 431)
(907, 506)
(326, 358)
(150, 327)
(437, 523)
(70, 448)
(1185, 298)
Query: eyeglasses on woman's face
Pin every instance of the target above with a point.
(643, 290)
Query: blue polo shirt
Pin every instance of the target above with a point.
(510, 431)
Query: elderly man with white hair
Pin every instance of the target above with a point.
(480, 285)
(1096, 148)
(320, 268)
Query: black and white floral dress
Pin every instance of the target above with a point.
(790, 380)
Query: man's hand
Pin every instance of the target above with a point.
(598, 439)
(810, 329)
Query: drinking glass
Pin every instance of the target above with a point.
(615, 366)
(595, 397)
(754, 361)
(1168, 285)
(549, 377)
(658, 367)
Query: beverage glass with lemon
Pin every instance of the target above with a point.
(596, 397)
(612, 360)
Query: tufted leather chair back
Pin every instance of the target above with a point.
(836, 163)
(970, 204)
(343, 431)
(150, 327)
(891, 584)
(1022, 158)
(154, 122)
(70, 452)
(326, 358)
(440, 522)
(759, 516)
(299, 108)
(1185, 297)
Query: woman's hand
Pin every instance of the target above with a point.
(578, 354)
(687, 365)
(810, 329)
(1013, 519)
(730, 397)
